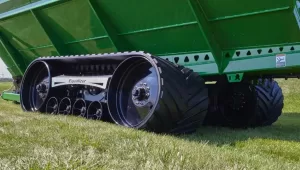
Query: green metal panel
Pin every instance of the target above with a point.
(260, 59)
(11, 57)
(26, 35)
(209, 36)
(169, 28)
(7, 5)
(206, 29)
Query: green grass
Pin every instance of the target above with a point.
(5, 86)
(37, 141)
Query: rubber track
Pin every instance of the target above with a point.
(270, 102)
(184, 103)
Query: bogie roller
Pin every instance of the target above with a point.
(52, 106)
(95, 111)
(65, 106)
(79, 108)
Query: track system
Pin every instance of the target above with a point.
(135, 90)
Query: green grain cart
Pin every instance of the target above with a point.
(167, 66)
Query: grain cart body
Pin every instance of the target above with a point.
(233, 38)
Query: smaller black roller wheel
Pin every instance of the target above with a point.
(52, 106)
(65, 106)
(79, 108)
(270, 102)
(94, 111)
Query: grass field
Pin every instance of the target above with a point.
(37, 141)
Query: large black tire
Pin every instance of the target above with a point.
(190, 98)
(182, 104)
(270, 102)
(264, 104)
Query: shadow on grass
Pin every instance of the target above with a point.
(286, 128)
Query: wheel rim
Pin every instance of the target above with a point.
(238, 104)
(134, 92)
(95, 111)
(36, 87)
(65, 106)
(52, 106)
(79, 108)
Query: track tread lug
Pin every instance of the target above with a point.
(270, 102)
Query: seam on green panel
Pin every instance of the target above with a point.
(160, 28)
(70, 42)
(88, 39)
(250, 14)
(28, 7)
(34, 48)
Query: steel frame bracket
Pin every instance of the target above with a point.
(10, 96)
(235, 78)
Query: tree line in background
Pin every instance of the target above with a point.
(6, 79)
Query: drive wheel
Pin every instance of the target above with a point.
(270, 102)
(36, 87)
(153, 94)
